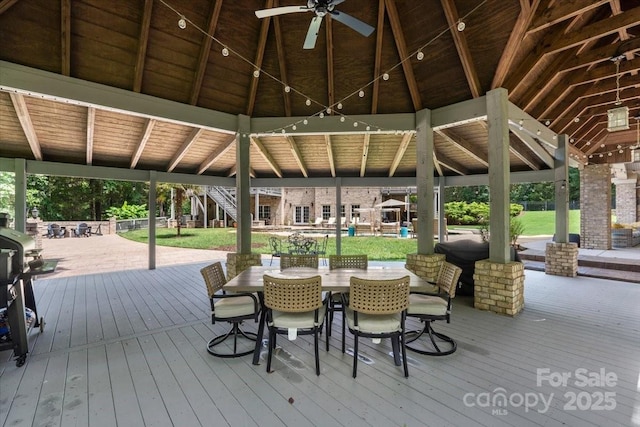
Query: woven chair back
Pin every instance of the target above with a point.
(304, 260)
(448, 278)
(292, 294)
(214, 277)
(360, 262)
(379, 296)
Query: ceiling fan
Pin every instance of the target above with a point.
(321, 8)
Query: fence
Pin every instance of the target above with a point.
(124, 225)
(546, 205)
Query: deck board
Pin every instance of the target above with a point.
(128, 348)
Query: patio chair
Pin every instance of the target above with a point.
(294, 307)
(233, 308)
(54, 231)
(331, 222)
(377, 309)
(298, 260)
(321, 249)
(276, 248)
(81, 230)
(429, 308)
(358, 262)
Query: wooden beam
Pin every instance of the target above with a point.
(436, 164)
(453, 166)
(562, 11)
(6, 4)
(182, 151)
(398, 35)
(295, 151)
(601, 54)
(282, 63)
(91, 122)
(406, 139)
(266, 155)
(462, 145)
(365, 153)
(234, 170)
(616, 9)
(24, 117)
(65, 37)
(532, 144)
(222, 149)
(142, 143)
(520, 150)
(143, 41)
(332, 164)
(257, 61)
(205, 51)
(330, 74)
(378, 57)
(462, 47)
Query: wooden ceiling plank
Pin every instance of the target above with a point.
(266, 155)
(221, 150)
(462, 145)
(330, 74)
(257, 61)
(401, 46)
(295, 151)
(24, 117)
(602, 54)
(91, 122)
(332, 164)
(143, 41)
(365, 153)
(282, 63)
(65, 37)
(205, 51)
(182, 151)
(404, 144)
(513, 44)
(462, 47)
(6, 4)
(142, 143)
(562, 11)
(378, 57)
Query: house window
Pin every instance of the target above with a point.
(326, 212)
(636, 155)
(301, 215)
(264, 212)
(354, 213)
(342, 210)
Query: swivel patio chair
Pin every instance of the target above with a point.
(429, 308)
(229, 307)
(293, 260)
(294, 307)
(356, 262)
(377, 309)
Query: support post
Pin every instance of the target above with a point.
(424, 181)
(152, 219)
(243, 236)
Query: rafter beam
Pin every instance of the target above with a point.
(65, 37)
(282, 63)
(378, 57)
(6, 4)
(143, 41)
(182, 151)
(532, 144)
(266, 155)
(453, 166)
(295, 151)
(234, 170)
(462, 47)
(332, 164)
(436, 164)
(91, 122)
(257, 61)
(562, 11)
(520, 150)
(406, 139)
(462, 145)
(24, 117)
(401, 45)
(616, 9)
(222, 149)
(601, 54)
(205, 50)
(365, 153)
(142, 143)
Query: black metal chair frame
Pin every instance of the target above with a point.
(276, 248)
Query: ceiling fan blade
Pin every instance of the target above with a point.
(336, 2)
(281, 11)
(312, 33)
(353, 23)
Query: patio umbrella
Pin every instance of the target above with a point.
(390, 204)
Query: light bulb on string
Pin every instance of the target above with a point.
(576, 120)
(339, 105)
(225, 51)
(547, 123)
(307, 102)
(256, 73)
(361, 94)
(329, 110)
(287, 88)
(321, 115)
(461, 26)
(342, 119)
(294, 127)
(355, 124)
(420, 55)
(368, 128)
(283, 131)
(305, 122)
(385, 76)
(182, 22)
(588, 142)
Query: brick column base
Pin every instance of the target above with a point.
(237, 263)
(425, 266)
(561, 259)
(499, 287)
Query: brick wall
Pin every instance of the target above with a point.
(561, 259)
(499, 287)
(595, 207)
(626, 201)
(315, 198)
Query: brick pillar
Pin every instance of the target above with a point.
(236, 263)
(595, 207)
(561, 259)
(626, 200)
(499, 287)
(33, 228)
(425, 266)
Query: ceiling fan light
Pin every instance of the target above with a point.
(182, 22)
(420, 55)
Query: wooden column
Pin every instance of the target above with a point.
(424, 181)
(152, 219)
(561, 174)
(243, 200)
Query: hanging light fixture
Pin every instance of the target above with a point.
(618, 118)
(182, 22)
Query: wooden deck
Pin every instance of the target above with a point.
(128, 349)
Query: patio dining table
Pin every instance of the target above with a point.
(251, 280)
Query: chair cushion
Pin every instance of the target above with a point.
(304, 320)
(374, 323)
(426, 304)
(234, 307)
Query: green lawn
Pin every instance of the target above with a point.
(541, 223)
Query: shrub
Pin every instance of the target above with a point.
(463, 213)
(128, 211)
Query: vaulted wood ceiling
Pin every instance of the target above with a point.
(555, 58)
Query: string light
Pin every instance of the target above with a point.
(287, 89)
(182, 22)
(420, 55)
(308, 102)
(361, 94)
(256, 73)
(385, 76)
(225, 51)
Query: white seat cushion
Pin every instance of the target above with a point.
(303, 320)
(234, 307)
(374, 323)
(426, 304)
